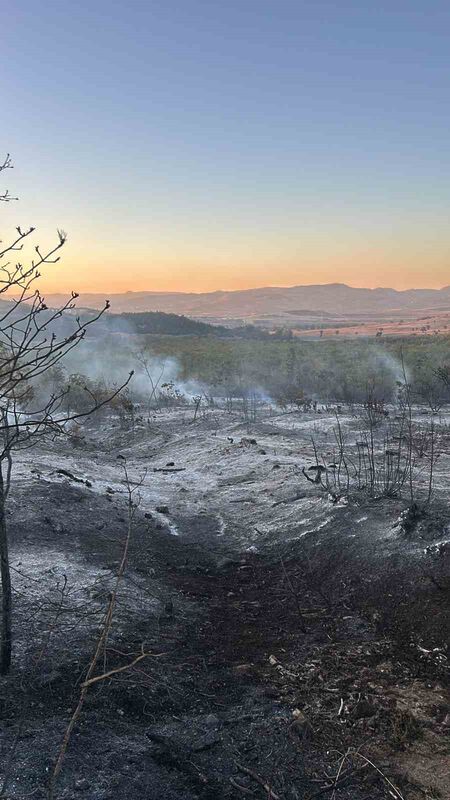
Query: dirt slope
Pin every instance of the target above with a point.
(293, 640)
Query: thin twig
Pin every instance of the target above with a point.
(101, 642)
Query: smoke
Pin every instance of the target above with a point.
(106, 357)
(110, 359)
(392, 365)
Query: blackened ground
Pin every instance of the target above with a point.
(307, 665)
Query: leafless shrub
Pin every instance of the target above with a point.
(386, 460)
(32, 343)
(153, 401)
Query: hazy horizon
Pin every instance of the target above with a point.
(252, 288)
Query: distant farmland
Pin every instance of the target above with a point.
(429, 325)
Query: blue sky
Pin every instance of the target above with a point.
(202, 145)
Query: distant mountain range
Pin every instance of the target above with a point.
(335, 299)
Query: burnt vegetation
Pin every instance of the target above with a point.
(225, 556)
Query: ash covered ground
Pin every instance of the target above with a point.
(297, 641)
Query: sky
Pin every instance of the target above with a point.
(195, 145)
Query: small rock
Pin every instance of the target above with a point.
(242, 669)
(301, 725)
(48, 679)
(168, 608)
(212, 721)
(81, 785)
(205, 742)
(363, 709)
(162, 509)
(188, 735)
(271, 691)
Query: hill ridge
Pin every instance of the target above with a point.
(336, 298)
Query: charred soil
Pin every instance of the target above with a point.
(294, 649)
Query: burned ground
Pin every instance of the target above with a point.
(284, 631)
